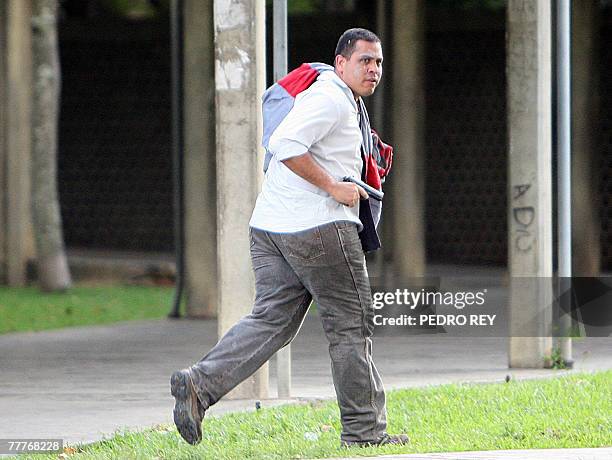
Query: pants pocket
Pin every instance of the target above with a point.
(305, 245)
(349, 237)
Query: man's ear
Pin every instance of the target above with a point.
(339, 62)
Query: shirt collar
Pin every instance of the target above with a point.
(330, 75)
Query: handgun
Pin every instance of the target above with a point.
(372, 192)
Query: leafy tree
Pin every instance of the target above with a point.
(137, 9)
(469, 4)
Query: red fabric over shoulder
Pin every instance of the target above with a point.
(385, 152)
(299, 79)
(372, 174)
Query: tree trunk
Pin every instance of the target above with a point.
(53, 273)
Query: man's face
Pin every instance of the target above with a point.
(363, 70)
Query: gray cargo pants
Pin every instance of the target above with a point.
(326, 264)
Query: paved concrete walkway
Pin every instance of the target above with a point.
(85, 383)
(534, 454)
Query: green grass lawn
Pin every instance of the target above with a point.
(569, 411)
(27, 309)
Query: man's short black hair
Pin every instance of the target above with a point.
(348, 41)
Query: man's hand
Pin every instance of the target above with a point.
(308, 169)
(347, 193)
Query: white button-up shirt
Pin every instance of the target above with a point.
(324, 122)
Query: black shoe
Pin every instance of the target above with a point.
(188, 412)
(384, 440)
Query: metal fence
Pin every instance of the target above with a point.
(115, 164)
(466, 147)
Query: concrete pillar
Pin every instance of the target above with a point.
(3, 101)
(586, 225)
(240, 81)
(377, 111)
(15, 82)
(528, 68)
(377, 101)
(199, 160)
(406, 202)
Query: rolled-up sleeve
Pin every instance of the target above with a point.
(312, 117)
